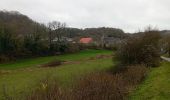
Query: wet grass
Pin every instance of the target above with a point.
(156, 86)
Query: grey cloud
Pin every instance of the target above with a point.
(130, 15)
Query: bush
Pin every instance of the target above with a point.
(112, 47)
(140, 49)
(8, 45)
(73, 48)
(34, 46)
(133, 75)
(105, 86)
(4, 58)
(100, 86)
(89, 46)
(151, 56)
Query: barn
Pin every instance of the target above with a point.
(86, 40)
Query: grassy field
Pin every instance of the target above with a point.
(42, 60)
(23, 75)
(156, 86)
(19, 79)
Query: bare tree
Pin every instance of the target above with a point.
(56, 28)
(50, 37)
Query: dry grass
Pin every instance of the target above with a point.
(105, 86)
(95, 86)
(47, 89)
(100, 86)
(135, 74)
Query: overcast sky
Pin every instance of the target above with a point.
(129, 15)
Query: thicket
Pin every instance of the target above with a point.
(142, 48)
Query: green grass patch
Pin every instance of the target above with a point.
(19, 81)
(42, 60)
(156, 86)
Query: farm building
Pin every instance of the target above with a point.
(108, 41)
(86, 40)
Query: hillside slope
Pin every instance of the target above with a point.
(17, 23)
(156, 86)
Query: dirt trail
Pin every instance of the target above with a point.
(165, 58)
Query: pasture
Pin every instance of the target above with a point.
(17, 77)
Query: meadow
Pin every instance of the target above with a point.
(25, 63)
(17, 77)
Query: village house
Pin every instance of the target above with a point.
(63, 39)
(107, 41)
(111, 41)
(86, 40)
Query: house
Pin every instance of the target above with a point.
(110, 41)
(86, 40)
(63, 39)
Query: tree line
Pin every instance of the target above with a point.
(21, 37)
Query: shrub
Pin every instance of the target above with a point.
(105, 86)
(133, 75)
(151, 56)
(73, 48)
(33, 45)
(4, 58)
(100, 86)
(112, 47)
(140, 49)
(89, 46)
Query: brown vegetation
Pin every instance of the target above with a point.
(47, 89)
(105, 86)
(141, 49)
(133, 75)
(100, 86)
(100, 57)
(95, 86)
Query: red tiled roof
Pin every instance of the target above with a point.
(86, 40)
